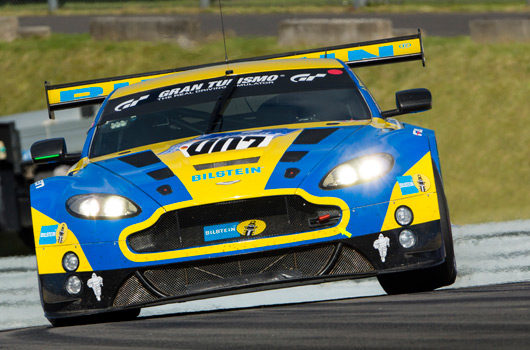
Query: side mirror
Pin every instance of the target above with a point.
(52, 151)
(410, 101)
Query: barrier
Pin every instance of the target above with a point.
(34, 32)
(500, 30)
(149, 28)
(8, 28)
(332, 31)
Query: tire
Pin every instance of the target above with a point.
(116, 316)
(429, 279)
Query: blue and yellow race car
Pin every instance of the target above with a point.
(237, 177)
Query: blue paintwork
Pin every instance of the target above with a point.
(367, 202)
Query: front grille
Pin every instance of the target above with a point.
(184, 228)
(177, 281)
(243, 270)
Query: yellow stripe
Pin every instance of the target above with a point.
(50, 256)
(400, 48)
(54, 96)
(424, 205)
(237, 246)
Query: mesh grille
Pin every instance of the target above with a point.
(351, 262)
(184, 228)
(132, 292)
(227, 272)
(241, 270)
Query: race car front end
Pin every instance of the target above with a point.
(236, 178)
(237, 226)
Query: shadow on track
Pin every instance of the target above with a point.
(486, 317)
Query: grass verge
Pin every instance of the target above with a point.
(480, 92)
(262, 7)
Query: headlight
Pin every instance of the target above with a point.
(73, 285)
(358, 170)
(70, 261)
(101, 206)
(404, 215)
(407, 239)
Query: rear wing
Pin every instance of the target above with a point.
(91, 92)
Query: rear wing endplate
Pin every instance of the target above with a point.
(91, 92)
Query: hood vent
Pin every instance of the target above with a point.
(161, 174)
(313, 136)
(140, 160)
(292, 156)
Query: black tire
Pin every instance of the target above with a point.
(117, 316)
(429, 279)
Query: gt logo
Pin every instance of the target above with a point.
(129, 103)
(306, 77)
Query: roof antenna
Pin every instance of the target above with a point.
(223, 29)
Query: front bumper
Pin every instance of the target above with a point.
(347, 258)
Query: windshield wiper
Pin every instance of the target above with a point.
(220, 105)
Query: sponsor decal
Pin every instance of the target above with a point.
(221, 231)
(39, 184)
(216, 85)
(226, 173)
(405, 45)
(306, 77)
(230, 141)
(417, 132)
(421, 182)
(188, 90)
(96, 283)
(360, 54)
(382, 244)
(251, 228)
(48, 234)
(53, 234)
(129, 103)
(258, 80)
(406, 184)
(62, 232)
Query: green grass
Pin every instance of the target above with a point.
(481, 112)
(26, 64)
(481, 116)
(261, 6)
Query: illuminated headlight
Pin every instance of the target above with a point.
(73, 285)
(404, 216)
(101, 206)
(407, 239)
(70, 261)
(358, 170)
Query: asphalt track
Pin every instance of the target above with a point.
(486, 317)
(436, 24)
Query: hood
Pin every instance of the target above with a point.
(224, 166)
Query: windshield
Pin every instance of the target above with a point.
(254, 101)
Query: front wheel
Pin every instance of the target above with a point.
(429, 279)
